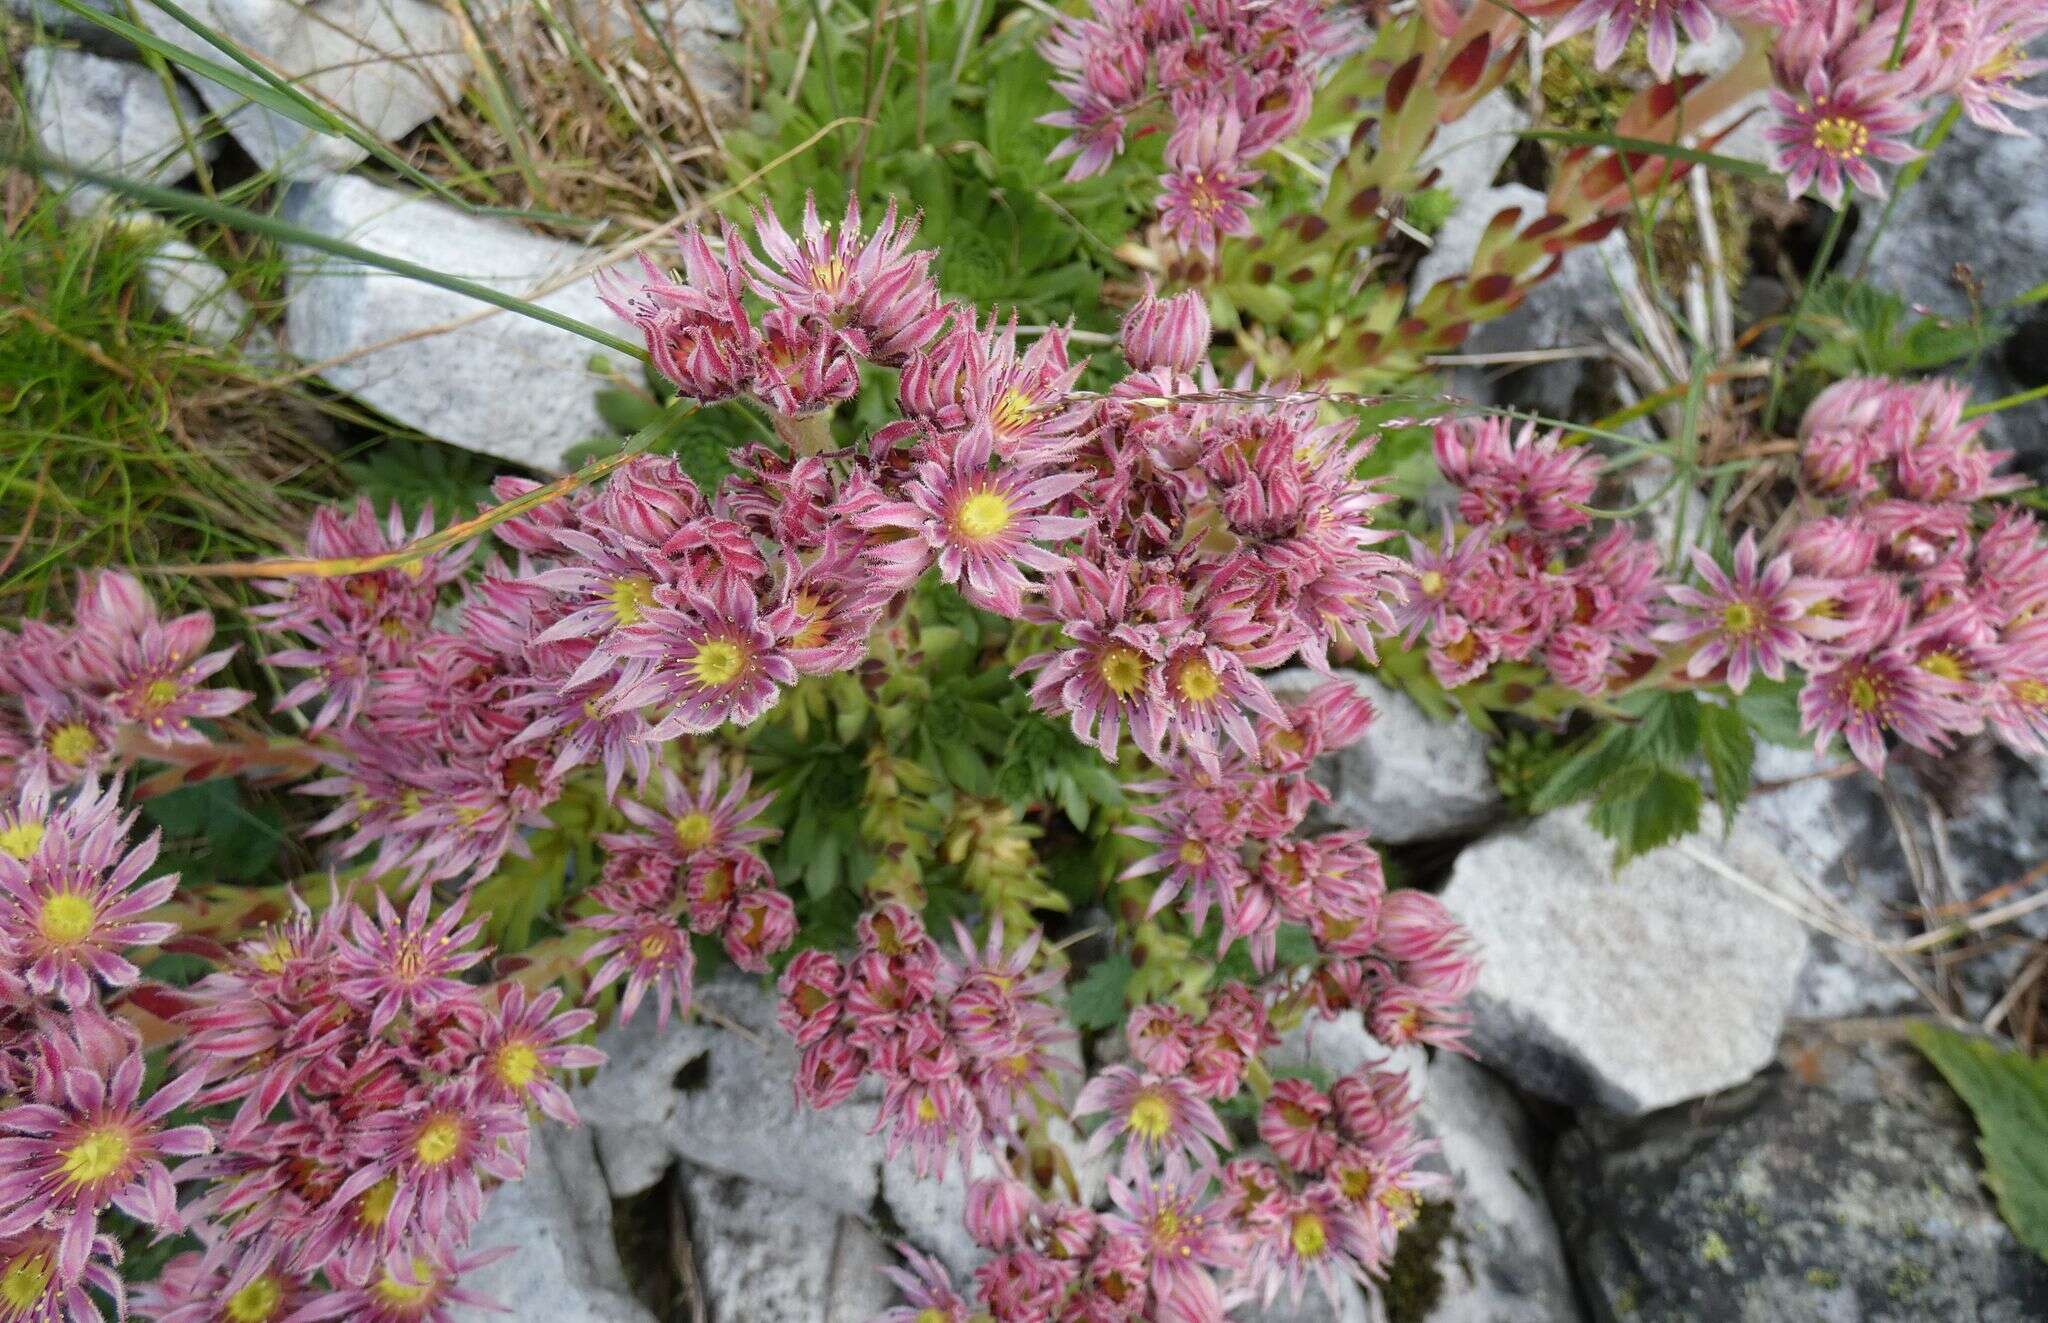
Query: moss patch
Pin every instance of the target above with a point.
(1414, 1284)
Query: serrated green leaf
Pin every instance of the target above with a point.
(1730, 752)
(2007, 1091)
(1771, 710)
(1581, 774)
(1097, 1001)
(1645, 807)
(1669, 731)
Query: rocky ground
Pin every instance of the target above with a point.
(1690, 1100)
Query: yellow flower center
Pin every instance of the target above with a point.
(275, 955)
(1193, 852)
(654, 945)
(927, 1110)
(73, 743)
(1944, 664)
(629, 598)
(718, 662)
(1431, 583)
(693, 831)
(26, 1279)
(518, 1065)
(1738, 618)
(1013, 410)
(2031, 692)
(160, 693)
(1197, 681)
(982, 516)
(931, 1316)
(1401, 1205)
(438, 1141)
(403, 1294)
(257, 1302)
(1123, 670)
(374, 1208)
(1165, 1224)
(98, 1154)
(1308, 1234)
(829, 275)
(21, 840)
(1840, 137)
(66, 919)
(1865, 694)
(1151, 1117)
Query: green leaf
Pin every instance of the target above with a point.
(1097, 1001)
(1669, 731)
(1645, 807)
(1771, 709)
(1731, 755)
(1581, 774)
(2007, 1091)
(1651, 147)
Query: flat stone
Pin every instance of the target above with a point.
(1409, 778)
(725, 1101)
(762, 1255)
(112, 116)
(558, 1220)
(388, 65)
(502, 384)
(1842, 1186)
(1471, 151)
(1501, 1260)
(1630, 990)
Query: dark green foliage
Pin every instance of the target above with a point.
(1862, 330)
(964, 151)
(1639, 775)
(1097, 1000)
(213, 832)
(2007, 1091)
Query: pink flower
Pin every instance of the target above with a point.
(524, 1045)
(1184, 1236)
(392, 964)
(439, 1147)
(85, 1138)
(416, 1288)
(700, 823)
(1526, 479)
(997, 1207)
(1296, 1123)
(812, 989)
(985, 526)
(1153, 1116)
(74, 900)
(1161, 1038)
(1314, 1235)
(1204, 195)
(1828, 135)
(708, 658)
(1111, 669)
(1749, 620)
(928, 1289)
(648, 951)
(1619, 19)
(877, 289)
(1170, 334)
(1864, 695)
(697, 332)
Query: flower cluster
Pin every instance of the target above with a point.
(1228, 82)
(1522, 576)
(959, 1042)
(369, 1094)
(1910, 606)
(75, 701)
(1189, 1239)
(77, 1136)
(694, 859)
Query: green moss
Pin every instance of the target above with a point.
(1625, 1301)
(1714, 1250)
(1413, 1282)
(1907, 1280)
(1827, 1279)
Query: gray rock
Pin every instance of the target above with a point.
(1501, 1260)
(387, 65)
(1471, 151)
(1630, 990)
(1410, 778)
(191, 288)
(50, 17)
(503, 384)
(1576, 307)
(763, 1255)
(558, 1219)
(112, 116)
(725, 1101)
(1843, 1187)
(1940, 224)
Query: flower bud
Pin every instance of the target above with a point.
(1167, 333)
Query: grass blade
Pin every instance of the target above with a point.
(270, 227)
(1651, 147)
